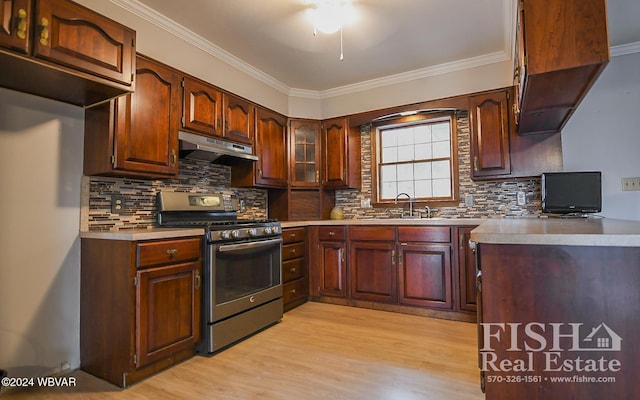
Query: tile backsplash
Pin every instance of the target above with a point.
(490, 199)
(140, 196)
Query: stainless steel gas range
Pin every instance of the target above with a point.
(242, 282)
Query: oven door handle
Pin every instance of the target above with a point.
(249, 246)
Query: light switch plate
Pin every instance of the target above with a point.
(468, 200)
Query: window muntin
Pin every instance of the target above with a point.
(416, 158)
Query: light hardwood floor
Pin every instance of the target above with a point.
(318, 351)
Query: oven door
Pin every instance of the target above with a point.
(242, 276)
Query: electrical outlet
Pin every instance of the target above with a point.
(365, 203)
(117, 204)
(630, 184)
(522, 198)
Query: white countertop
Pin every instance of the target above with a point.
(559, 231)
(388, 221)
(143, 234)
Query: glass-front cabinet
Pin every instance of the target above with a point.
(305, 153)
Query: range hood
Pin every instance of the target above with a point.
(214, 150)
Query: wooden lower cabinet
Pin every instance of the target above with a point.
(405, 268)
(372, 271)
(295, 287)
(568, 315)
(425, 275)
(140, 306)
(467, 270)
(328, 261)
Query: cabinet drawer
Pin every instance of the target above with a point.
(167, 251)
(386, 233)
(292, 269)
(294, 250)
(292, 235)
(294, 290)
(437, 234)
(331, 233)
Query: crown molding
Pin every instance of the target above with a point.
(169, 25)
(403, 77)
(623, 49)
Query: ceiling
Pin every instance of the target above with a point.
(274, 39)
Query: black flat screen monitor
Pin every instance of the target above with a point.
(572, 192)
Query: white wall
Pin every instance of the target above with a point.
(603, 135)
(41, 146)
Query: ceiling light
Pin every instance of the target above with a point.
(330, 16)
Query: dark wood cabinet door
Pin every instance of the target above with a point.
(147, 122)
(15, 25)
(202, 108)
(425, 275)
(271, 144)
(334, 150)
(490, 133)
(372, 271)
(332, 269)
(72, 35)
(304, 153)
(239, 119)
(168, 312)
(467, 271)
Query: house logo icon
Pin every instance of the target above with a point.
(601, 338)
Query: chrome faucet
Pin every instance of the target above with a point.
(410, 203)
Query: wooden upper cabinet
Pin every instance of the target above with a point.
(340, 154)
(239, 119)
(136, 134)
(490, 132)
(202, 107)
(15, 25)
(83, 58)
(271, 169)
(72, 35)
(563, 48)
(271, 145)
(304, 155)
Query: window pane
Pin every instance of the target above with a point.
(422, 170)
(423, 134)
(405, 136)
(388, 173)
(405, 153)
(388, 190)
(423, 188)
(441, 188)
(389, 154)
(440, 131)
(405, 187)
(440, 169)
(388, 138)
(405, 172)
(423, 151)
(441, 149)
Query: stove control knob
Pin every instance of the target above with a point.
(275, 229)
(235, 234)
(268, 230)
(253, 232)
(225, 235)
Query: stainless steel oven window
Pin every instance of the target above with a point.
(243, 269)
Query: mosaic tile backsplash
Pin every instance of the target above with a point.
(140, 196)
(490, 199)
